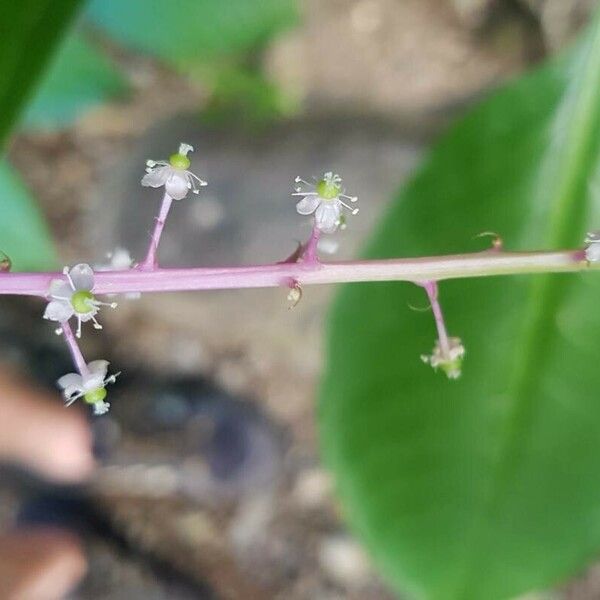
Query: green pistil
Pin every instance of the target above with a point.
(82, 302)
(95, 396)
(328, 190)
(179, 161)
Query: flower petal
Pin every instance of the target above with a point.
(60, 288)
(327, 217)
(93, 381)
(177, 185)
(71, 379)
(72, 385)
(156, 177)
(58, 310)
(121, 259)
(98, 367)
(82, 276)
(308, 205)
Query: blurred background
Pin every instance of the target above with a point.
(210, 484)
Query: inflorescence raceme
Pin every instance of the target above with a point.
(74, 293)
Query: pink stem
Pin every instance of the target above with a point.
(74, 349)
(482, 264)
(431, 288)
(150, 262)
(310, 253)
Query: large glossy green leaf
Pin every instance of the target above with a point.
(79, 77)
(489, 486)
(187, 31)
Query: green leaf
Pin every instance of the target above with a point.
(188, 31)
(29, 32)
(489, 486)
(78, 78)
(24, 237)
(244, 97)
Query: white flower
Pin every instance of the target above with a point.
(592, 248)
(90, 387)
(119, 260)
(324, 199)
(451, 361)
(74, 297)
(173, 174)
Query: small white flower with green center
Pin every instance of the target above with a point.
(450, 361)
(90, 387)
(74, 297)
(326, 199)
(592, 246)
(119, 260)
(173, 174)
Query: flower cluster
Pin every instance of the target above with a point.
(326, 199)
(73, 295)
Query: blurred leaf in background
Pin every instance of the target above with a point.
(486, 487)
(29, 33)
(214, 41)
(24, 236)
(78, 78)
(244, 97)
(185, 32)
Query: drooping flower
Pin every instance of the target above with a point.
(448, 359)
(173, 174)
(592, 246)
(74, 297)
(326, 199)
(90, 387)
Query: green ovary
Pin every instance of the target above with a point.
(179, 161)
(95, 396)
(82, 302)
(328, 190)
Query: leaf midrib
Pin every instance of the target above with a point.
(545, 298)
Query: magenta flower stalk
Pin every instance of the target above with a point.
(427, 268)
(73, 346)
(310, 252)
(150, 262)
